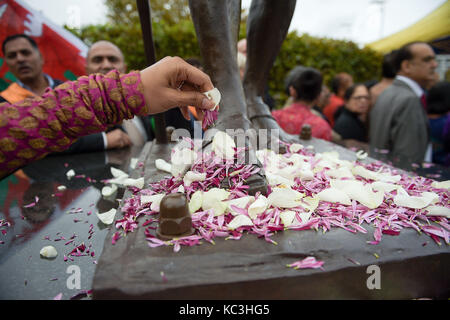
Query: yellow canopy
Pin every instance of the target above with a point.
(433, 26)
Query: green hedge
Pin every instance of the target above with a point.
(327, 55)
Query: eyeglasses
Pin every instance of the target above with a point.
(360, 98)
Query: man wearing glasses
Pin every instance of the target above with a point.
(398, 121)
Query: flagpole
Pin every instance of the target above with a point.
(146, 26)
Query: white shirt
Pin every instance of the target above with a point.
(412, 84)
(139, 125)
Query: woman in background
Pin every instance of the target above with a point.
(351, 119)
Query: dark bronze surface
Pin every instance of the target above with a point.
(251, 268)
(54, 220)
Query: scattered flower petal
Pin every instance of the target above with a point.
(163, 165)
(334, 195)
(285, 198)
(196, 201)
(307, 263)
(438, 211)
(214, 95)
(416, 202)
(223, 145)
(239, 221)
(117, 173)
(108, 191)
(258, 207)
(48, 252)
(441, 184)
(70, 174)
(213, 199)
(192, 176)
(107, 217)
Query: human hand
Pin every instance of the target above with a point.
(172, 82)
(117, 139)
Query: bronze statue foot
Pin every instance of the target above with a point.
(238, 127)
(261, 118)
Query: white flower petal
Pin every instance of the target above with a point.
(138, 183)
(295, 147)
(368, 174)
(119, 180)
(223, 145)
(48, 252)
(334, 195)
(163, 165)
(438, 211)
(118, 173)
(367, 197)
(155, 200)
(356, 190)
(416, 202)
(192, 176)
(70, 174)
(306, 175)
(239, 221)
(299, 161)
(213, 95)
(108, 191)
(107, 217)
(275, 180)
(196, 201)
(441, 184)
(284, 198)
(257, 207)
(213, 199)
(240, 203)
(133, 163)
(61, 188)
(361, 155)
(385, 186)
(305, 216)
(287, 217)
(182, 160)
(330, 160)
(342, 172)
(310, 203)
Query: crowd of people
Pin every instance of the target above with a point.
(403, 118)
(405, 114)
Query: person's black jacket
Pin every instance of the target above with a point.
(349, 126)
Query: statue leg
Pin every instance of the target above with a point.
(217, 45)
(217, 26)
(267, 26)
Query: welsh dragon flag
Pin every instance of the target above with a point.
(64, 54)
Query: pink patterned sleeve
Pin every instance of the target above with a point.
(34, 127)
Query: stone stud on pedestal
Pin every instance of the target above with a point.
(305, 134)
(174, 217)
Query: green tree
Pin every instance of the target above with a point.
(174, 35)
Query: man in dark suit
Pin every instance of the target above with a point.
(398, 121)
(104, 56)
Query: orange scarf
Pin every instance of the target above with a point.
(15, 93)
